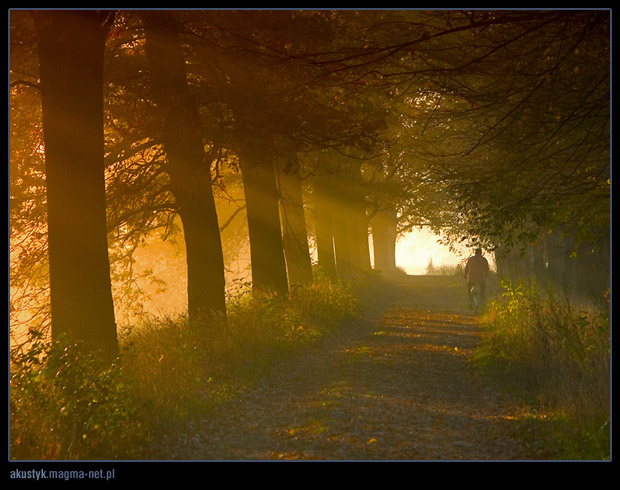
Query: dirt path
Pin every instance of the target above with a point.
(397, 388)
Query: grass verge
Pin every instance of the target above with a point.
(555, 357)
(66, 405)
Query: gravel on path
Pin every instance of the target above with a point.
(400, 387)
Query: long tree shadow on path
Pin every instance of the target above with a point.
(401, 387)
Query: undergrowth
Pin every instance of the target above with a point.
(555, 355)
(65, 404)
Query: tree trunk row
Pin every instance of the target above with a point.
(71, 51)
(556, 260)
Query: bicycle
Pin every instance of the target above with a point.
(476, 298)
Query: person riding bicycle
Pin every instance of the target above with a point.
(476, 272)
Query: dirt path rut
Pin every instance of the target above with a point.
(400, 387)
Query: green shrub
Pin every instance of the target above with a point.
(66, 402)
(263, 326)
(169, 361)
(554, 354)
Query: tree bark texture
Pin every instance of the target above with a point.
(263, 214)
(71, 54)
(350, 224)
(384, 241)
(294, 229)
(190, 177)
(323, 219)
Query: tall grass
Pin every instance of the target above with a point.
(555, 353)
(64, 404)
(67, 403)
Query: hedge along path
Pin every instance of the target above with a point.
(397, 387)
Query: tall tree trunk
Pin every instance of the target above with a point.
(263, 214)
(350, 223)
(362, 236)
(537, 260)
(190, 177)
(294, 233)
(558, 264)
(384, 241)
(323, 219)
(71, 50)
(343, 232)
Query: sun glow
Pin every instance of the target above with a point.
(415, 249)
